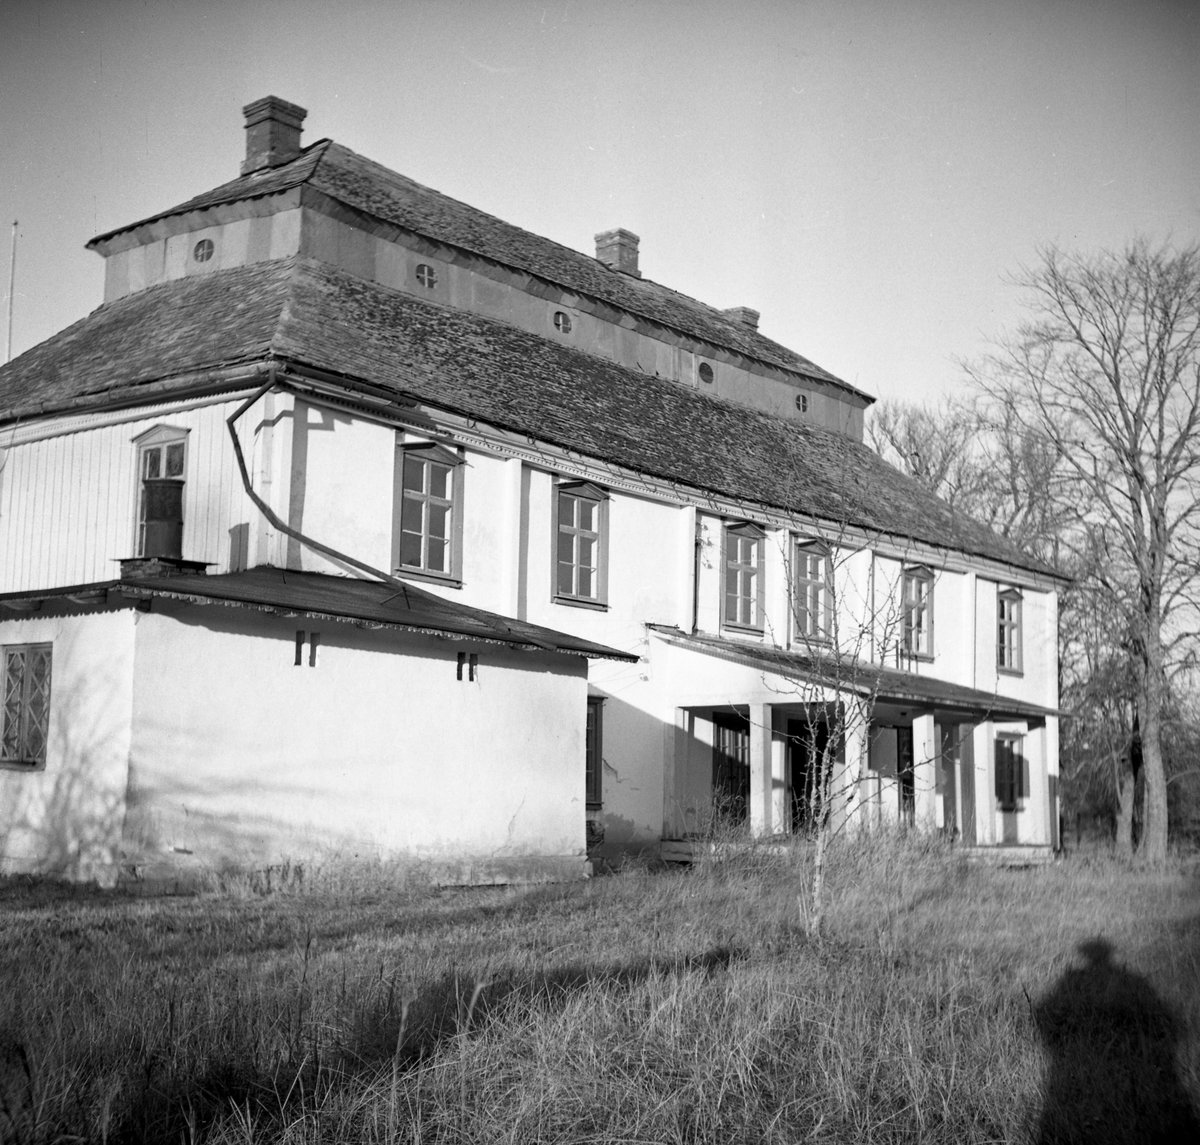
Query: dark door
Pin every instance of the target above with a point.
(906, 773)
(808, 754)
(947, 777)
(731, 766)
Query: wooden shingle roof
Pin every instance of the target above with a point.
(310, 314)
(375, 190)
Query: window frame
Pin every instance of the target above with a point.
(802, 549)
(916, 575)
(23, 760)
(594, 754)
(583, 491)
(1013, 627)
(1017, 782)
(158, 437)
(439, 454)
(743, 530)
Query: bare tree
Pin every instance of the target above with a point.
(1107, 371)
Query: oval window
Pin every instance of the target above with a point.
(562, 322)
(203, 250)
(426, 276)
(802, 402)
(706, 373)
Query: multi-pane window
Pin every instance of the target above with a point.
(162, 457)
(595, 750)
(1008, 631)
(812, 592)
(428, 497)
(743, 593)
(580, 510)
(916, 618)
(1012, 780)
(731, 766)
(26, 704)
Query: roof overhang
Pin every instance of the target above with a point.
(367, 604)
(878, 684)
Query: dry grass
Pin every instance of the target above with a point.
(657, 1006)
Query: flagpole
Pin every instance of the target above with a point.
(12, 279)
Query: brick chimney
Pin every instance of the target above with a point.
(272, 132)
(743, 315)
(619, 249)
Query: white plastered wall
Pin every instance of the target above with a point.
(66, 818)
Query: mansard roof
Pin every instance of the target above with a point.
(205, 333)
(374, 190)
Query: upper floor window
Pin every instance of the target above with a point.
(706, 373)
(426, 275)
(1012, 773)
(26, 710)
(427, 532)
(562, 322)
(162, 465)
(916, 613)
(743, 576)
(1008, 631)
(581, 517)
(812, 592)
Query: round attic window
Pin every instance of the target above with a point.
(802, 402)
(706, 373)
(562, 322)
(203, 250)
(426, 276)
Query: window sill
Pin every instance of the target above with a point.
(921, 657)
(21, 765)
(1009, 671)
(428, 577)
(742, 630)
(582, 602)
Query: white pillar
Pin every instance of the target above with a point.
(778, 796)
(675, 762)
(762, 769)
(509, 556)
(848, 787)
(925, 749)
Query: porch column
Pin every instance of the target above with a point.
(847, 790)
(675, 763)
(925, 752)
(762, 769)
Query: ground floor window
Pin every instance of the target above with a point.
(595, 757)
(1012, 773)
(26, 704)
(731, 767)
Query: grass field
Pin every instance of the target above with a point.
(943, 1003)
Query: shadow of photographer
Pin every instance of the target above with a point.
(1112, 1073)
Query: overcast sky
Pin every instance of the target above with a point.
(865, 174)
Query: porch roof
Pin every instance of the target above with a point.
(884, 684)
(318, 595)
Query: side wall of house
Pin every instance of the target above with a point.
(65, 818)
(239, 756)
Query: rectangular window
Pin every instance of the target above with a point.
(162, 457)
(580, 528)
(1008, 631)
(917, 613)
(595, 751)
(26, 704)
(743, 566)
(428, 500)
(1012, 775)
(812, 593)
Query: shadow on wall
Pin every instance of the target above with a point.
(66, 819)
(1111, 1042)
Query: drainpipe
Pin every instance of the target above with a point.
(317, 546)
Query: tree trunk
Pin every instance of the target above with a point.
(1152, 847)
(1126, 788)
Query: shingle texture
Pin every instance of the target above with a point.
(311, 314)
(373, 189)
